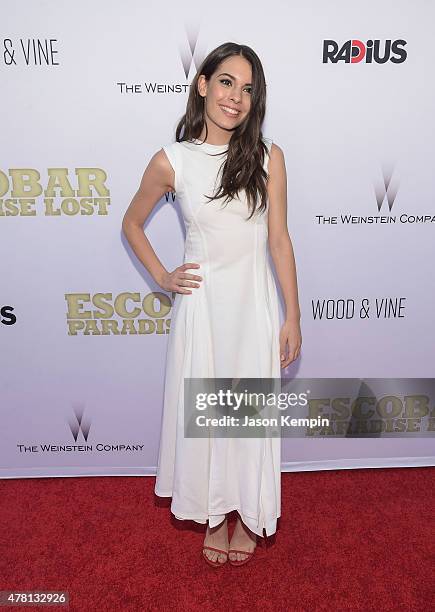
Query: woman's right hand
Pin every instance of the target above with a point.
(179, 279)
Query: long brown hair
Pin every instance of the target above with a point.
(243, 167)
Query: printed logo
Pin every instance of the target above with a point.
(30, 52)
(79, 424)
(103, 314)
(191, 55)
(63, 193)
(385, 307)
(386, 189)
(355, 51)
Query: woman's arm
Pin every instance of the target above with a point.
(281, 250)
(157, 179)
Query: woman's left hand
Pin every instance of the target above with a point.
(290, 341)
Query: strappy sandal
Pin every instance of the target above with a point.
(214, 563)
(242, 561)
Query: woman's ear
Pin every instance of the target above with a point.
(202, 86)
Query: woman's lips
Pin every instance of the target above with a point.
(229, 113)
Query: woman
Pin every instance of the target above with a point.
(231, 185)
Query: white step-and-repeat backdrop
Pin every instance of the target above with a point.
(90, 91)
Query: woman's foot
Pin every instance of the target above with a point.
(217, 538)
(243, 539)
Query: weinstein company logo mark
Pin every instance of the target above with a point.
(385, 190)
(187, 53)
(83, 425)
(372, 51)
(190, 52)
(79, 424)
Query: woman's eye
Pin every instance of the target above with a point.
(248, 89)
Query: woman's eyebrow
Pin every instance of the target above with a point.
(231, 76)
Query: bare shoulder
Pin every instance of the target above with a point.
(159, 170)
(276, 152)
(276, 161)
(160, 160)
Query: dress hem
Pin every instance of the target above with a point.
(247, 520)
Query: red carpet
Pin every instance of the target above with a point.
(356, 540)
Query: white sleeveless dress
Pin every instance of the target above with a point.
(227, 328)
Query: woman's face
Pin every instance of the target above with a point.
(228, 92)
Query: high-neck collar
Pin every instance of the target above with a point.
(210, 147)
